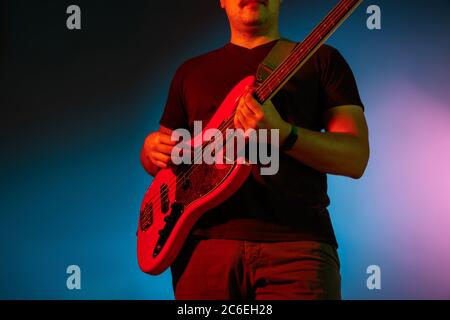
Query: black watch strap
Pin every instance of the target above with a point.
(290, 139)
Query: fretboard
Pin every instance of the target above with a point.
(304, 50)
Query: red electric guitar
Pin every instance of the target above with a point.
(179, 195)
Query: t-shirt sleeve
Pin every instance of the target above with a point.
(174, 115)
(337, 81)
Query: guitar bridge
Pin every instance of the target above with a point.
(170, 220)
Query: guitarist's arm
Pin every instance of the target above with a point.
(342, 150)
(155, 153)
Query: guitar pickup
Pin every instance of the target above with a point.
(146, 216)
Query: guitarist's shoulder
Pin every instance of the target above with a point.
(327, 54)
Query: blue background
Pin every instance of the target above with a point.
(77, 105)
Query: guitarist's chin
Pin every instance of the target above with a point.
(255, 18)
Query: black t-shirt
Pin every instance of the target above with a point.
(288, 206)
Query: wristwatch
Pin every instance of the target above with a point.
(290, 139)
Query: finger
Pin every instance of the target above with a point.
(251, 120)
(248, 119)
(237, 125)
(240, 104)
(246, 111)
(239, 121)
(160, 157)
(254, 106)
(248, 122)
(166, 139)
(159, 164)
(164, 148)
(236, 121)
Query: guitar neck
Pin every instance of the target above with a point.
(304, 50)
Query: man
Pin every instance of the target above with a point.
(273, 239)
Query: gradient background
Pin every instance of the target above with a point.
(76, 106)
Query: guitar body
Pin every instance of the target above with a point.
(173, 204)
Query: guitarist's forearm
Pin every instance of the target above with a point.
(334, 153)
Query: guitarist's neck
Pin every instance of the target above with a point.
(252, 38)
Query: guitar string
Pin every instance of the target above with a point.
(188, 172)
(313, 36)
(286, 64)
(334, 12)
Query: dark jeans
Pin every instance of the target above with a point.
(234, 269)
